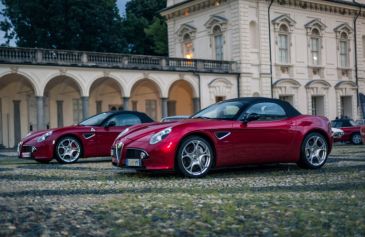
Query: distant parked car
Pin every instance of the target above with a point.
(351, 130)
(90, 138)
(230, 133)
(337, 133)
(174, 118)
(362, 132)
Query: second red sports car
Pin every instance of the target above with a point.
(233, 132)
(92, 137)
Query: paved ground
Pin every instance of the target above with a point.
(91, 198)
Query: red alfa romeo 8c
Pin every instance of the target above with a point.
(230, 133)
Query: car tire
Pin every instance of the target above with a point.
(356, 139)
(314, 151)
(195, 157)
(68, 150)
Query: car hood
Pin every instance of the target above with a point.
(146, 130)
(36, 134)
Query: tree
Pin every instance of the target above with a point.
(93, 25)
(144, 29)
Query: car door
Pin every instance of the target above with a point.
(107, 134)
(265, 140)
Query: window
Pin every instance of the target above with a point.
(254, 41)
(267, 111)
(346, 106)
(219, 98)
(318, 105)
(218, 43)
(125, 119)
(151, 109)
(283, 44)
(77, 110)
(171, 107)
(134, 105)
(344, 50)
(98, 106)
(287, 98)
(188, 46)
(315, 47)
(60, 113)
(363, 46)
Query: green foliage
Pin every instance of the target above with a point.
(93, 25)
(144, 28)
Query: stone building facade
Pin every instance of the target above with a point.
(302, 51)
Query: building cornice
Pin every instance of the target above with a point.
(339, 7)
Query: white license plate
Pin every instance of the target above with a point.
(26, 154)
(133, 162)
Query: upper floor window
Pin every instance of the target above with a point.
(315, 47)
(344, 50)
(283, 27)
(315, 29)
(343, 34)
(283, 44)
(218, 43)
(188, 46)
(186, 35)
(216, 26)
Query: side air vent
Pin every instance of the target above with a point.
(221, 135)
(88, 135)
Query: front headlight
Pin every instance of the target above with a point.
(156, 138)
(122, 133)
(44, 136)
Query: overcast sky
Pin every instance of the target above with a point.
(120, 3)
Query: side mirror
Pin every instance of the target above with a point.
(110, 124)
(250, 117)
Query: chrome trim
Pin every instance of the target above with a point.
(148, 155)
(92, 135)
(226, 135)
(118, 151)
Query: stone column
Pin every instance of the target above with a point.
(85, 106)
(196, 104)
(164, 107)
(40, 112)
(125, 103)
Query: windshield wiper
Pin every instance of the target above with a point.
(201, 117)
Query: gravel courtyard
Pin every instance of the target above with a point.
(91, 198)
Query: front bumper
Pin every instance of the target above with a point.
(36, 151)
(143, 156)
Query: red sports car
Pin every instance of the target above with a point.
(351, 131)
(92, 137)
(233, 132)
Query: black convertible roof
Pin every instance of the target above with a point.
(289, 109)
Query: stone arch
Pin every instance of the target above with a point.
(32, 81)
(180, 100)
(146, 97)
(80, 84)
(18, 107)
(63, 96)
(105, 93)
(220, 88)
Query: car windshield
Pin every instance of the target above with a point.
(95, 120)
(223, 110)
